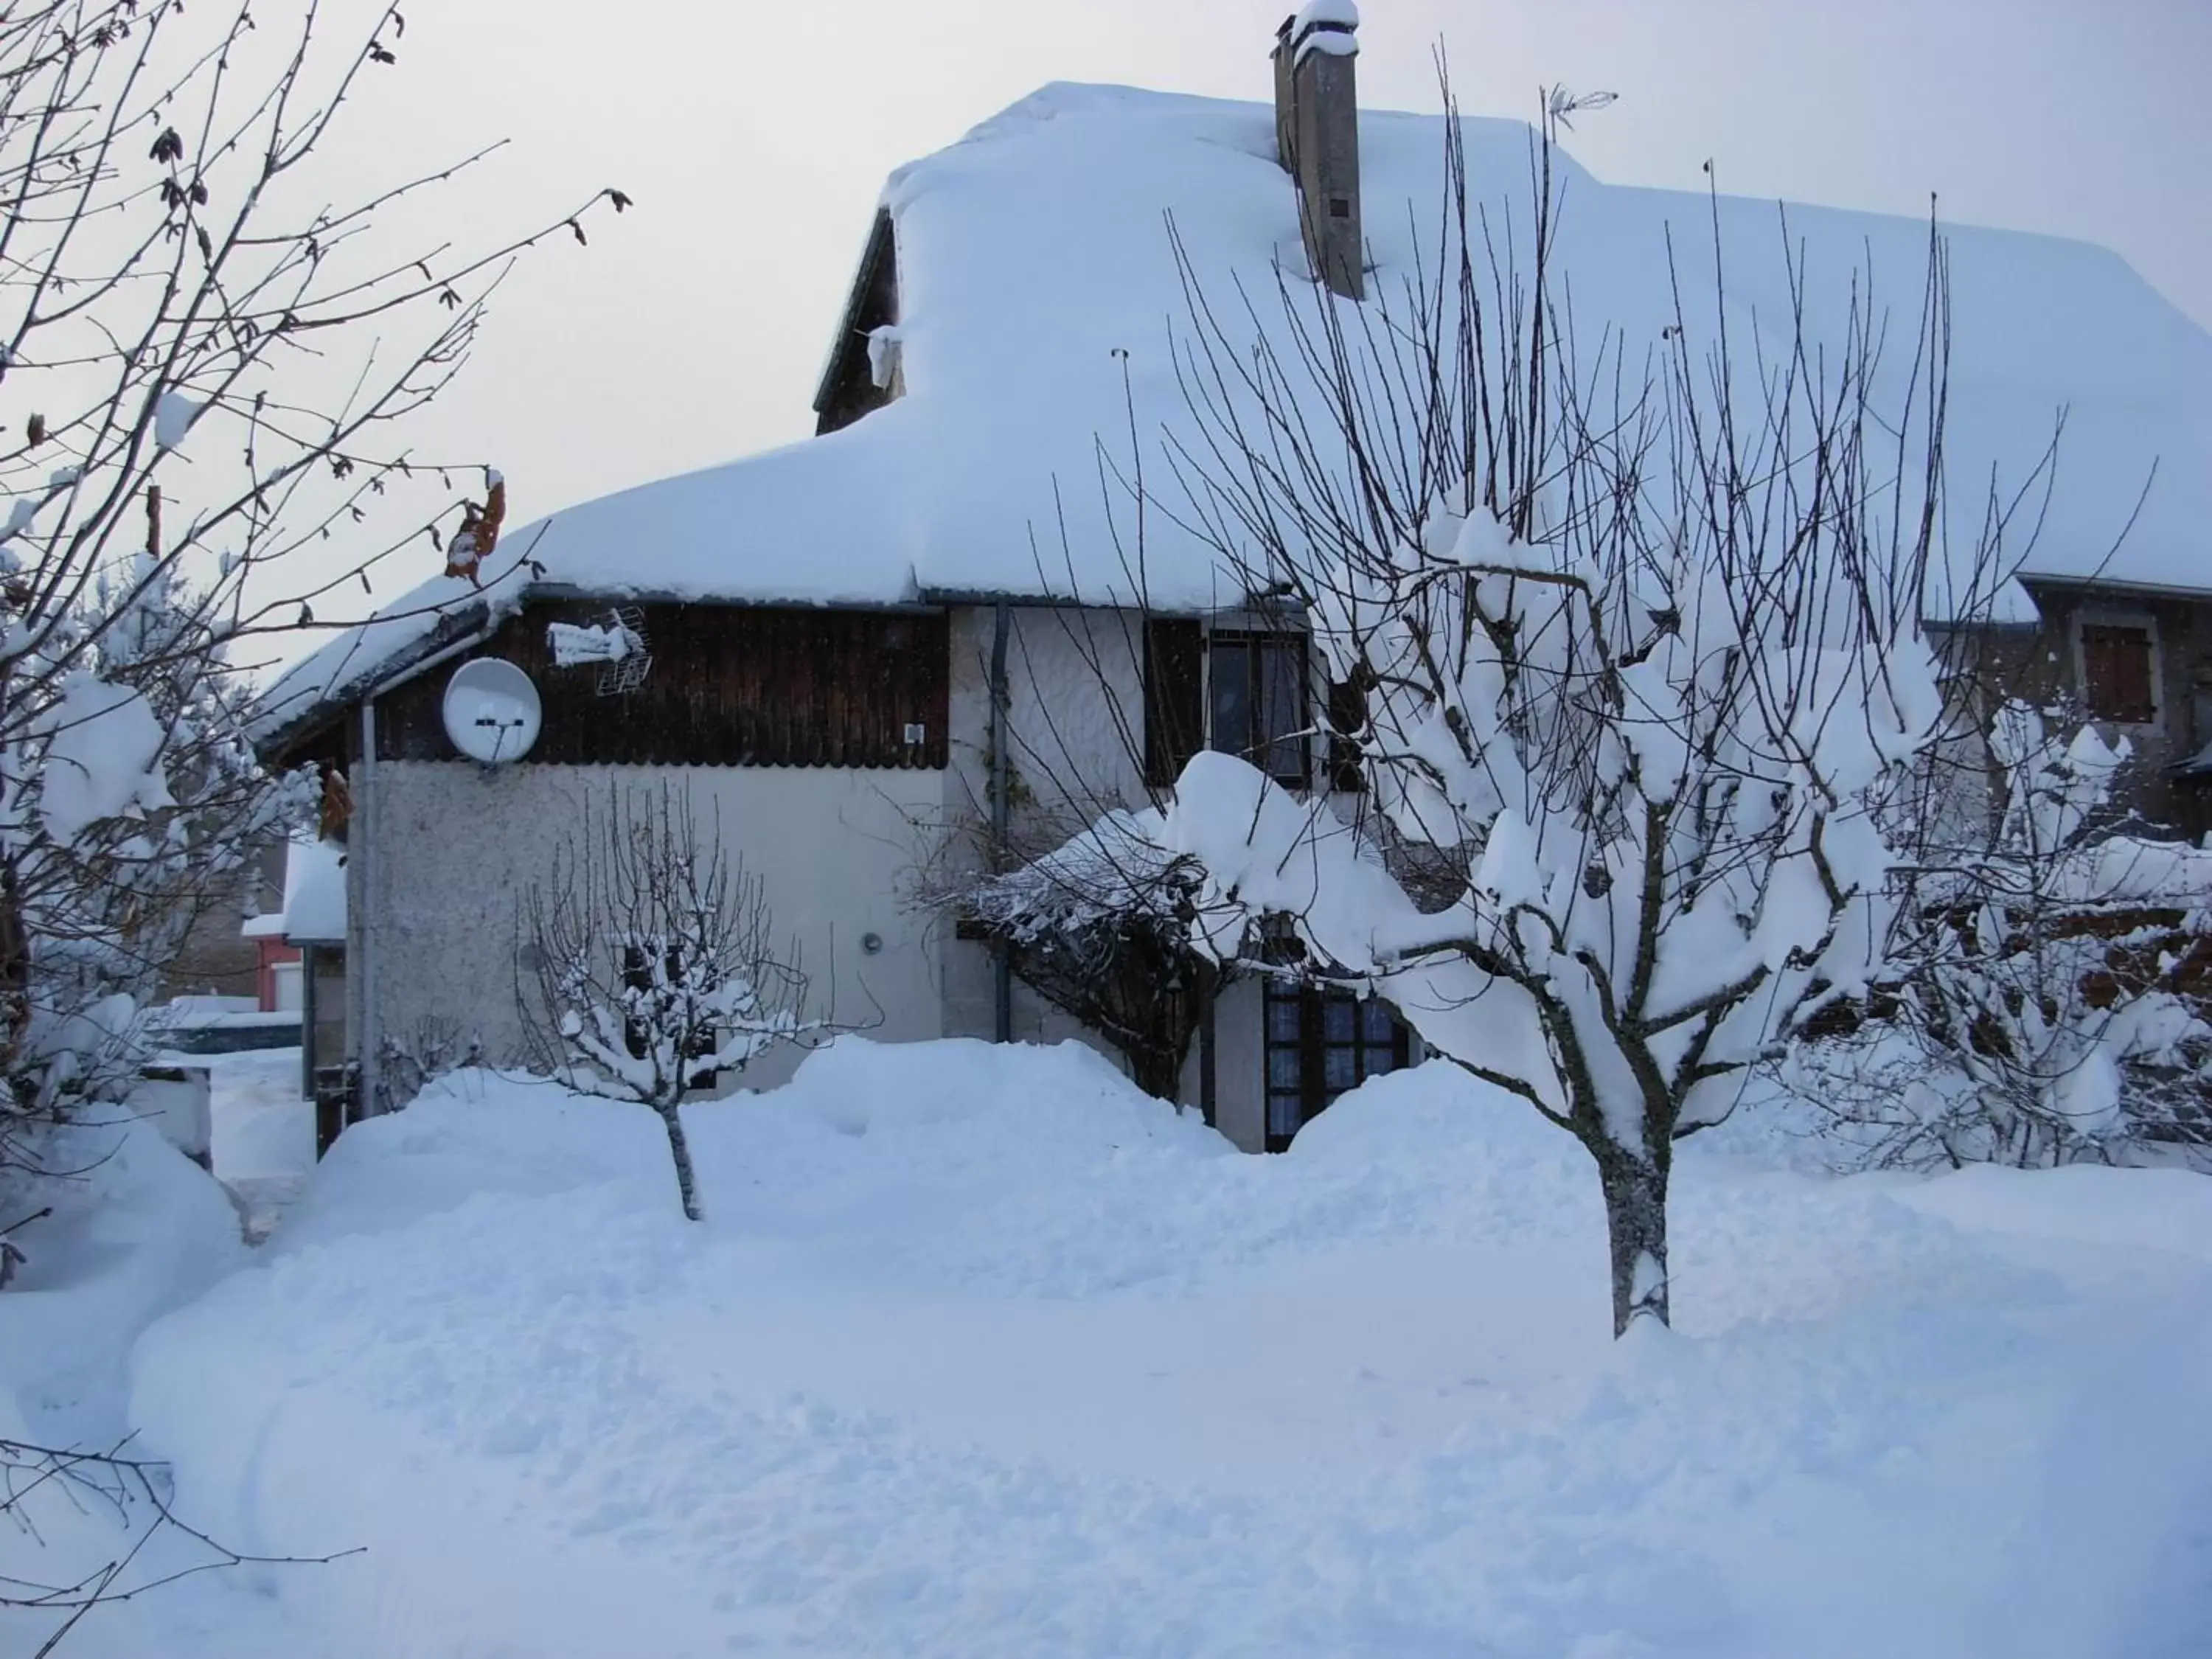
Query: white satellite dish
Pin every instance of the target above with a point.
(492, 711)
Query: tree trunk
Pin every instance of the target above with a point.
(1158, 1072)
(1636, 1229)
(680, 1150)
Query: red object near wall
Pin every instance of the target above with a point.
(272, 954)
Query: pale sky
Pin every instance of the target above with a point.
(756, 134)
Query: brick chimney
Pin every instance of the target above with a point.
(1317, 135)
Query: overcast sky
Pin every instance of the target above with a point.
(755, 135)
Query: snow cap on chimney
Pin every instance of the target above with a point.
(1329, 26)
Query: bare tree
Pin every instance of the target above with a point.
(435, 1047)
(43, 1486)
(207, 365)
(651, 971)
(2047, 962)
(1638, 628)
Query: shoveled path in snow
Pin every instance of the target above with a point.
(980, 1353)
(264, 1140)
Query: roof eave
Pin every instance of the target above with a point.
(2197, 594)
(456, 628)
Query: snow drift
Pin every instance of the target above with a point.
(981, 1351)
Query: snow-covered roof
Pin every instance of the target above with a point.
(1034, 253)
(314, 893)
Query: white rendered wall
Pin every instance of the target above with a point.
(1075, 691)
(841, 850)
(1065, 670)
(452, 850)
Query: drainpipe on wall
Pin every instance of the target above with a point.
(360, 927)
(1002, 967)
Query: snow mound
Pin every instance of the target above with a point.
(137, 1230)
(980, 1351)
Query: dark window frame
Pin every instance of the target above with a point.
(1185, 661)
(1300, 1027)
(1346, 709)
(1174, 696)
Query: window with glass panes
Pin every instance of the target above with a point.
(1321, 1042)
(1256, 685)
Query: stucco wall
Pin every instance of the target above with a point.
(1068, 762)
(447, 852)
(1068, 670)
(444, 853)
(1075, 694)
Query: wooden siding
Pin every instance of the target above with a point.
(729, 686)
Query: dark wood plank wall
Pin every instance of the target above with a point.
(729, 686)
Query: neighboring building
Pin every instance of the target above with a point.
(279, 979)
(840, 636)
(214, 958)
(2135, 658)
(302, 947)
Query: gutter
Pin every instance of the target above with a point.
(947, 598)
(456, 631)
(416, 670)
(575, 594)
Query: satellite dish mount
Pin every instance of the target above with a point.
(492, 711)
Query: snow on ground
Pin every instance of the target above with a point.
(137, 1230)
(979, 1352)
(265, 1132)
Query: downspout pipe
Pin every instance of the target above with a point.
(361, 922)
(1002, 967)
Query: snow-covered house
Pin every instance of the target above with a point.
(943, 610)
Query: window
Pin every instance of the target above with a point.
(2116, 673)
(1320, 1042)
(1256, 697)
(1241, 694)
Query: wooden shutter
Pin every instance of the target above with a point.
(1175, 695)
(2116, 673)
(1347, 714)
